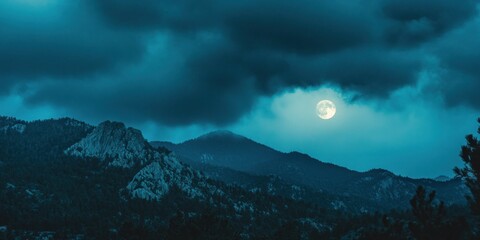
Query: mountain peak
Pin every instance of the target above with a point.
(299, 154)
(123, 147)
(112, 124)
(380, 171)
(220, 134)
(442, 178)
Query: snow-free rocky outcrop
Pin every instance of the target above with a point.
(8, 124)
(119, 146)
(20, 128)
(155, 180)
(116, 144)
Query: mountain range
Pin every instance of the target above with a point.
(74, 180)
(226, 150)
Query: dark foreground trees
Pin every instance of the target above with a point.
(430, 222)
(470, 173)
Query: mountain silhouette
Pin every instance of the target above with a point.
(232, 151)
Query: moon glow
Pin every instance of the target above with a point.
(326, 109)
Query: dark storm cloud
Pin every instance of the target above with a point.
(180, 15)
(218, 84)
(67, 43)
(372, 71)
(416, 21)
(179, 105)
(63, 52)
(211, 84)
(459, 72)
(183, 62)
(307, 26)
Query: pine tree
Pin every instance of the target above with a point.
(470, 173)
(431, 221)
(428, 216)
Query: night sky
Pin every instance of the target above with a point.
(404, 74)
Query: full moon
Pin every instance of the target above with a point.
(326, 109)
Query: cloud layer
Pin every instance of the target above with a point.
(189, 62)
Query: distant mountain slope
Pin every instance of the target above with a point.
(277, 186)
(226, 149)
(442, 178)
(69, 177)
(223, 148)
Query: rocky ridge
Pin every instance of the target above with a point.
(122, 147)
(114, 143)
(12, 124)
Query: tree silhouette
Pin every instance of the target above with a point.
(470, 173)
(428, 216)
(391, 228)
(431, 221)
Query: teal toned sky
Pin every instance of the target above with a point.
(404, 74)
